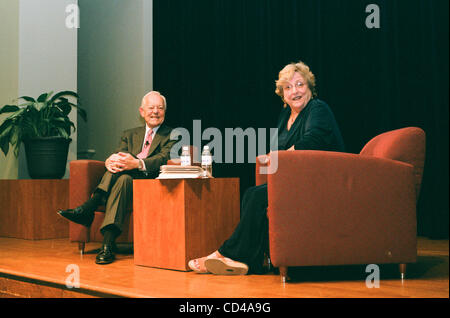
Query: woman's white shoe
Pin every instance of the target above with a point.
(195, 264)
(225, 266)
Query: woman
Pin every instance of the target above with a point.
(307, 124)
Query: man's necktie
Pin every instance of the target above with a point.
(145, 149)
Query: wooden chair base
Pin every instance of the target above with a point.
(284, 274)
(81, 247)
(402, 269)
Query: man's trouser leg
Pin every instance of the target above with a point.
(119, 189)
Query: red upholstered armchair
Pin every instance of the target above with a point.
(330, 208)
(85, 175)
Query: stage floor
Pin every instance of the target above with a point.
(42, 268)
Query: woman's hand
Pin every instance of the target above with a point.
(291, 149)
(264, 159)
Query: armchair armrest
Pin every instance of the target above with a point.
(262, 162)
(84, 177)
(174, 162)
(335, 207)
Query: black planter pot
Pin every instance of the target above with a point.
(47, 157)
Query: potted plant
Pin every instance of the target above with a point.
(43, 125)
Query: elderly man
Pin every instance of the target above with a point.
(141, 153)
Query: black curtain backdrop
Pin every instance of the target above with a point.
(217, 61)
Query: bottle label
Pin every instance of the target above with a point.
(185, 160)
(206, 160)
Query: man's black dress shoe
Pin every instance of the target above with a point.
(78, 215)
(106, 255)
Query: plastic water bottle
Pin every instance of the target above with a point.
(206, 162)
(185, 156)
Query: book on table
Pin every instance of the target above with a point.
(180, 172)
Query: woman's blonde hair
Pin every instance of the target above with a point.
(287, 73)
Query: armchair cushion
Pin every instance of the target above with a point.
(84, 177)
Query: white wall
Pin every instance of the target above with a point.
(108, 60)
(114, 69)
(47, 56)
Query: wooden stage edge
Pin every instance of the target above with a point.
(43, 268)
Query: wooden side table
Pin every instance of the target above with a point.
(28, 208)
(178, 220)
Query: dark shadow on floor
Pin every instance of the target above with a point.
(425, 267)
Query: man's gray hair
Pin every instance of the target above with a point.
(159, 94)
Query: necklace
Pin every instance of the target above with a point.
(292, 119)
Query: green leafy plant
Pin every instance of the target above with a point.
(48, 116)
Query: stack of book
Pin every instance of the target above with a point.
(180, 172)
